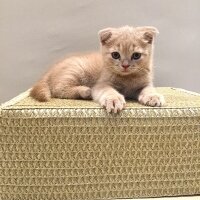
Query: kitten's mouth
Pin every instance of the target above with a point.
(125, 70)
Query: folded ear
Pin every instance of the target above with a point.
(105, 35)
(148, 33)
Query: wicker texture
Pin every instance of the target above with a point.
(73, 149)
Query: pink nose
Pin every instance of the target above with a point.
(125, 66)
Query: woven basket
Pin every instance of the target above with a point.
(73, 149)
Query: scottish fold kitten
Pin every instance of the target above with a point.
(123, 69)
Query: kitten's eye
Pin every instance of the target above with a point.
(115, 55)
(136, 56)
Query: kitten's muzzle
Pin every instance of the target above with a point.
(125, 64)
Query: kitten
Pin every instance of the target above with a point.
(122, 70)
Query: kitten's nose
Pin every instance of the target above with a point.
(125, 64)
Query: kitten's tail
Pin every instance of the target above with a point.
(41, 91)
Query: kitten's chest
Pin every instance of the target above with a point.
(129, 87)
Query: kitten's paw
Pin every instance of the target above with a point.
(152, 99)
(114, 103)
(85, 93)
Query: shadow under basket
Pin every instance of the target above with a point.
(73, 149)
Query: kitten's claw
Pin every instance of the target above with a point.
(152, 100)
(114, 104)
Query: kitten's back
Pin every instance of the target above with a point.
(76, 70)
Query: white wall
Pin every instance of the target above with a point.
(35, 34)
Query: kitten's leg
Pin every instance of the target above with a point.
(148, 96)
(75, 92)
(108, 97)
(84, 92)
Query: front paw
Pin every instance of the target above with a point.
(152, 99)
(113, 103)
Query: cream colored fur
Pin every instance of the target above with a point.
(101, 77)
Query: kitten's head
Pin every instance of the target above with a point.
(127, 50)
